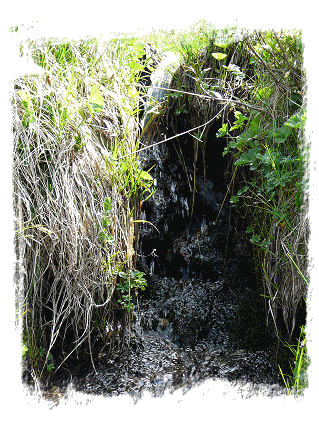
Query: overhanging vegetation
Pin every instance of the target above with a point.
(78, 182)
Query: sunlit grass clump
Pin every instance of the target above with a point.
(74, 205)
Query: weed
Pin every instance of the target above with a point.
(131, 281)
(297, 381)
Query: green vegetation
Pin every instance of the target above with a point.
(297, 381)
(131, 282)
(76, 206)
(269, 164)
(77, 193)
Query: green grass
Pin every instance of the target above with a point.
(297, 381)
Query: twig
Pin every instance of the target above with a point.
(173, 137)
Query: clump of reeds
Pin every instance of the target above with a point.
(74, 205)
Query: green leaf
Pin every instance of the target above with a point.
(25, 96)
(250, 133)
(221, 44)
(239, 122)
(242, 190)
(223, 131)
(240, 117)
(219, 56)
(255, 239)
(248, 157)
(146, 177)
(234, 199)
(281, 134)
(107, 204)
(24, 350)
(296, 121)
(265, 244)
(235, 70)
(136, 66)
(250, 229)
(263, 93)
(96, 99)
(265, 158)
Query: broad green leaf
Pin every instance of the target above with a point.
(281, 134)
(221, 44)
(146, 177)
(96, 99)
(240, 117)
(296, 121)
(239, 122)
(136, 66)
(219, 56)
(251, 132)
(248, 157)
(265, 158)
(263, 93)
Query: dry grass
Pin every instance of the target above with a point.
(62, 176)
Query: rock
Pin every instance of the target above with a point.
(160, 80)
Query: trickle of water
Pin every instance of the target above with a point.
(152, 267)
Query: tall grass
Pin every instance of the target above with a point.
(74, 205)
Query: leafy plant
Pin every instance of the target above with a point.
(265, 143)
(131, 281)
